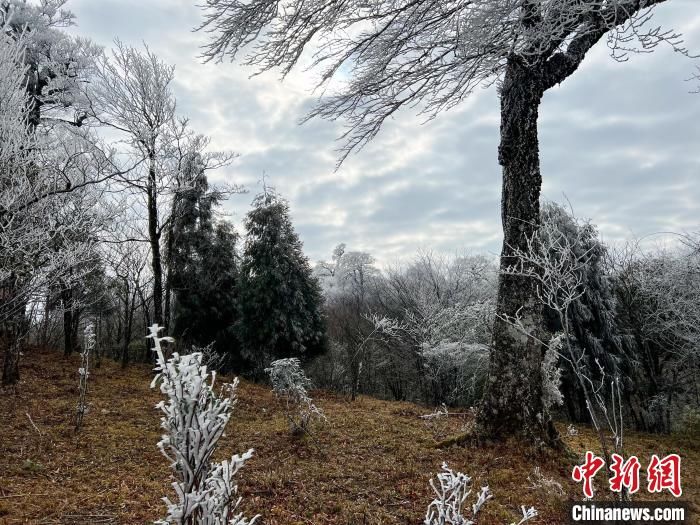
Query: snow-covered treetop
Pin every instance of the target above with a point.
(59, 64)
(422, 52)
(134, 94)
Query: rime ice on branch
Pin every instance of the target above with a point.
(451, 491)
(194, 419)
(290, 382)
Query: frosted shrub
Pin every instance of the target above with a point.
(212, 359)
(290, 382)
(194, 418)
(449, 506)
(83, 374)
(540, 481)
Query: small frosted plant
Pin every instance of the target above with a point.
(194, 418)
(540, 481)
(451, 492)
(290, 383)
(83, 374)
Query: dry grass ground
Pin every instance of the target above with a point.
(370, 464)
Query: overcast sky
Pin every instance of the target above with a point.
(620, 141)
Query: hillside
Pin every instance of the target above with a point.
(370, 464)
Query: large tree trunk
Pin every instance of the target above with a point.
(512, 403)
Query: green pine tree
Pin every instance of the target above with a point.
(203, 269)
(280, 298)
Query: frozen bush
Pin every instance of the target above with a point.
(194, 418)
(290, 383)
(212, 359)
(449, 506)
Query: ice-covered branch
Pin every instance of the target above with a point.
(194, 419)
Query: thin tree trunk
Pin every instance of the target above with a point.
(67, 302)
(77, 312)
(128, 317)
(148, 355)
(45, 321)
(10, 330)
(98, 346)
(170, 241)
(512, 403)
(10, 338)
(154, 238)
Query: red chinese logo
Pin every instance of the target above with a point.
(662, 474)
(625, 474)
(587, 472)
(665, 474)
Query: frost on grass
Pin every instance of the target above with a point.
(290, 383)
(194, 418)
(450, 505)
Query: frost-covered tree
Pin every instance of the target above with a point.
(59, 66)
(280, 298)
(446, 309)
(50, 208)
(657, 296)
(379, 57)
(291, 384)
(558, 261)
(194, 419)
(593, 326)
(349, 282)
(134, 96)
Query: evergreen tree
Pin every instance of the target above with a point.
(203, 270)
(280, 298)
(592, 315)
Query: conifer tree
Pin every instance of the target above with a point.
(202, 267)
(280, 298)
(592, 315)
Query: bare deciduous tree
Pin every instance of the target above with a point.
(134, 96)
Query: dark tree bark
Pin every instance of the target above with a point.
(10, 339)
(128, 322)
(10, 369)
(67, 302)
(154, 239)
(168, 280)
(148, 355)
(513, 401)
(13, 323)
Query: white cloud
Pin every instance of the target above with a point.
(619, 140)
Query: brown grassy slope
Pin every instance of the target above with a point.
(370, 465)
